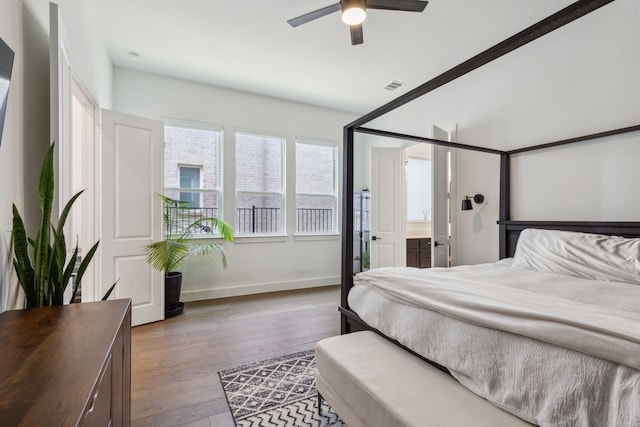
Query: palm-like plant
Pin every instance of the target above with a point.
(166, 255)
(40, 262)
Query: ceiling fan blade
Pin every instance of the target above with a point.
(308, 17)
(356, 34)
(405, 5)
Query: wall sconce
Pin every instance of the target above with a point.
(466, 203)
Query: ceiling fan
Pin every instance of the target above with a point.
(354, 13)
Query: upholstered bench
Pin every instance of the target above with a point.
(371, 382)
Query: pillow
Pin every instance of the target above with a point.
(583, 255)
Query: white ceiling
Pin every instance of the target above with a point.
(247, 44)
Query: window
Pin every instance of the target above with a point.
(192, 171)
(418, 189)
(190, 178)
(316, 188)
(259, 183)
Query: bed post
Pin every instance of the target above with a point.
(347, 225)
(505, 201)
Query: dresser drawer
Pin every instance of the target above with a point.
(98, 412)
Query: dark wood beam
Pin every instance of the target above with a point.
(577, 139)
(347, 223)
(426, 140)
(553, 22)
(505, 202)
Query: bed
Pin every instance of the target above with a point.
(577, 364)
(551, 335)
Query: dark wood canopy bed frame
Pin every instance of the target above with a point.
(508, 230)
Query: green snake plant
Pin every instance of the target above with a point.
(166, 255)
(41, 264)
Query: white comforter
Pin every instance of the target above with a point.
(580, 368)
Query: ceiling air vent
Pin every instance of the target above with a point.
(393, 85)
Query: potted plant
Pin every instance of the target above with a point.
(167, 255)
(41, 262)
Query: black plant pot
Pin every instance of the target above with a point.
(172, 288)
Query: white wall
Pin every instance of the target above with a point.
(87, 54)
(578, 80)
(26, 131)
(11, 33)
(255, 264)
(476, 232)
(596, 180)
(24, 25)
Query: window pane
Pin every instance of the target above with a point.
(315, 188)
(258, 163)
(190, 178)
(181, 218)
(185, 147)
(192, 174)
(315, 169)
(315, 214)
(259, 186)
(418, 189)
(258, 213)
(210, 199)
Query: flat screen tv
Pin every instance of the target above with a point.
(6, 64)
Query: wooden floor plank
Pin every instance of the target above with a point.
(175, 363)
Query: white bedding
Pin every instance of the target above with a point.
(552, 349)
(584, 255)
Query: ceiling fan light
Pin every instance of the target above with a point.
(354, 15)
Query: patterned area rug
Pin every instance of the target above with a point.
(277, 392)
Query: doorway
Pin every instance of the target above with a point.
(411, 188)
(80, 176)
(419, 202)
(117, 159)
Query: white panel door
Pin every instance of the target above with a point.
(387, 208)
(132, 150)
(440, 201)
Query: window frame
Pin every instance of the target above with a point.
(282, 220)
(335, 186)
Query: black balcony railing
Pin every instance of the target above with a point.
(257, 220)
(253, 220)
(314, 220)
(178, 219)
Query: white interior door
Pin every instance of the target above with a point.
(440, 201)
(387, 208)
(131, 213)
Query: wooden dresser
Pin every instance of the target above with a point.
(66, 366)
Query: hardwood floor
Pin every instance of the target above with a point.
(175, 363)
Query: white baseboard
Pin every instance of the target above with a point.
(257, 288)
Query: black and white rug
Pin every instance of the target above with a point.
(277, 392)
